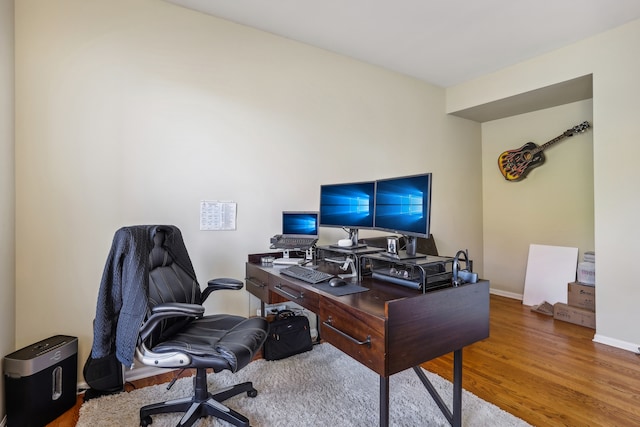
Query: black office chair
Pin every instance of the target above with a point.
(176, 334)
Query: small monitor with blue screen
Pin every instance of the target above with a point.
(403, 206)
(300, 224)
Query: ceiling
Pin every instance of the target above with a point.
(443, 42)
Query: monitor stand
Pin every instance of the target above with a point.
(353, 236)
(402, 255)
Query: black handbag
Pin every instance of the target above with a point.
(289, 334)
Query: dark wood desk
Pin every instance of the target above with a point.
(388, 328)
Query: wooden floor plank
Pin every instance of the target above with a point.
(545, 371)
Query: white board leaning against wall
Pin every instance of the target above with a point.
(549, 270)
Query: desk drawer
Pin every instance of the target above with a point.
(360, 335)
(294, 292)
(257, 283)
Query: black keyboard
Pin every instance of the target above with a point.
(306, 274)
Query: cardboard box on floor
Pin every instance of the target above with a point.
(581, 295)
(577, 315)
(580, 307)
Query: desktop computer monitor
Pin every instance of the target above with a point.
(348, 205)
(403, 206)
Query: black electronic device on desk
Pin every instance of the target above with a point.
(426, 273)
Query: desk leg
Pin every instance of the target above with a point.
(318, 337)
(457, 388)
(454, 417)
(384, 401)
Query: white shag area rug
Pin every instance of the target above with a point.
(323, 387)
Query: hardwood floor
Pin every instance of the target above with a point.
(547, 372)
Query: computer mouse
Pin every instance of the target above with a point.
(337, 282)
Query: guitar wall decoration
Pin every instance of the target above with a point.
(516, 164)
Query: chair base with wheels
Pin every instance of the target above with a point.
(202, 404)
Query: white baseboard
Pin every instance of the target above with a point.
(506, 294)
(633, 347)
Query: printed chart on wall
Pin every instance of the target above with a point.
(217, 215)
(549, 270)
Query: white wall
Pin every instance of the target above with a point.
(134, 111)
(553, 205)
(616, 106)
(7, 192)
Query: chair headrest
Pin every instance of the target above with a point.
(159, 256)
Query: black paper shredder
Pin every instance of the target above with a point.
(40, 381)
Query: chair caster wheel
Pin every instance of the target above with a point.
(144, 422)
(252, 393)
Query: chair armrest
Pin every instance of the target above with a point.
(166, 311)
(178, 309)
(220, 284)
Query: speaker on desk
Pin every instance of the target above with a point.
(40, 381)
